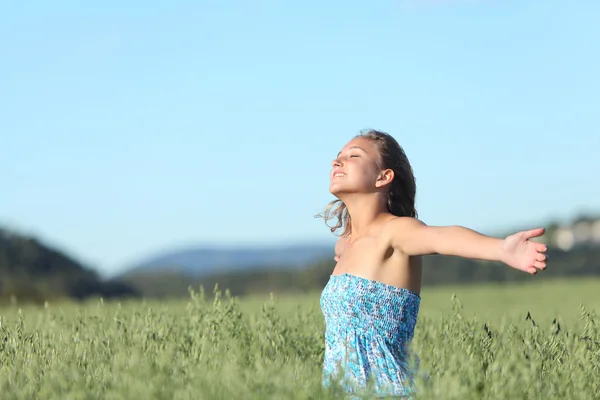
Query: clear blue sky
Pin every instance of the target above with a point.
(128, 128)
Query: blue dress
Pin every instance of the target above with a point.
(369, 326)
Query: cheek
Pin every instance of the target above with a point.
(370, 172)
(366, 177)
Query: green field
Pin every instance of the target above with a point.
(255, 348)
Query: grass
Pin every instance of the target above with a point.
(476, 345)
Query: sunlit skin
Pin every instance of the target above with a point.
(387, 248)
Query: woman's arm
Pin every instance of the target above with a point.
(413, 237)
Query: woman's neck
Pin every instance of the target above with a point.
(364, 210)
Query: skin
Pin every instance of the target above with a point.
(387, 248)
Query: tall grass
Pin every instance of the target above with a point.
(218, 347)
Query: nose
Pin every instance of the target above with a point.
(336, 163)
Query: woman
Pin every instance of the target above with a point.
(371, 301)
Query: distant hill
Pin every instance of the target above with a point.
(437, 270)
(574, 251)
(33, 271)
(205, 261)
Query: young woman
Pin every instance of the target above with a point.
(371, 301)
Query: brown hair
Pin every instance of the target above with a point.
(402, 192)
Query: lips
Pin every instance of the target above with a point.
(338, 174)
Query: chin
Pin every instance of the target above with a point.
(334, 191)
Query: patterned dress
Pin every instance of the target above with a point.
(369, 326)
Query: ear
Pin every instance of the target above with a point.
(385, 178)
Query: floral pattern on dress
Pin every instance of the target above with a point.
(369, 327)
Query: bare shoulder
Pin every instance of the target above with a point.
(399, 230)
(399, 224)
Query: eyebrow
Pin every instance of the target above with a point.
(353, 147)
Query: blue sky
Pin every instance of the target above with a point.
(128, 128)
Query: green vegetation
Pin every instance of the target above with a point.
(519, 337)
(214, 347)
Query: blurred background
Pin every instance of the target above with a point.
(149, 146)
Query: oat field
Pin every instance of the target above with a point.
(483, 342)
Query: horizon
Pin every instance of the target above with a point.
(140, 128)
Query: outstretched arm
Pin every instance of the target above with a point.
(413, 237)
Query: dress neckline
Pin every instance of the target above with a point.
(377, 283)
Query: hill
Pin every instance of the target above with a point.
(33, 271)
(204, 261)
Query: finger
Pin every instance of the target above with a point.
(541, 247)
(540, 265)
(541, 257)
(533, 233)
(532, 270)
